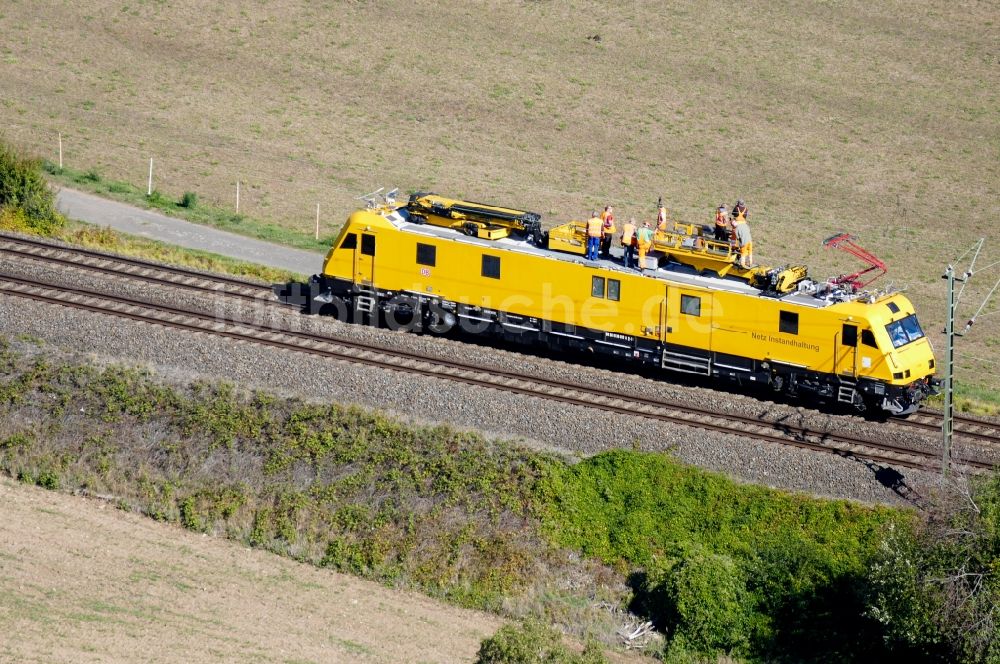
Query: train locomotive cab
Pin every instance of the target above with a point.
(893, 358)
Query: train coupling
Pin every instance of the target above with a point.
(294, 293)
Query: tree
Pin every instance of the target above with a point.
(937, 590)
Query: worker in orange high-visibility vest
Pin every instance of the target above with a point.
(722, 224)
(628, 241)
(608, 228)
(740, 210)
(645, 241)
(595, 230)
(661, 216)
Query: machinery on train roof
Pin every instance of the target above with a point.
(476, 219)
(846, 242)
(682, 244)
(691, 245)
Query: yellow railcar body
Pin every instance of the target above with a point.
(691, 322)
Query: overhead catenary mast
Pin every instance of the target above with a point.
(947, 421)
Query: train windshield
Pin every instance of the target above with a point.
(904, 331)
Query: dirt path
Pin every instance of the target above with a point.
(146, 223)
(83, 582)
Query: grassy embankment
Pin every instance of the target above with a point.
(26, 206)
(485, 524)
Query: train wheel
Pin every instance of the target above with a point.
(438, 320)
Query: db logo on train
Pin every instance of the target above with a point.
(425, 272)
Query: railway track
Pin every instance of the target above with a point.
(965, 428)
(119, 266)
(396, 360)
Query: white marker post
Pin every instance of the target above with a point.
(149, 187)
(60, 151)
(237, 197)
(317, 221)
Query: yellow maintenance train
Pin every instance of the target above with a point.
(434, 264)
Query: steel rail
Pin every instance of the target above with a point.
(982, 432)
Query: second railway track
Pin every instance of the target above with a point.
(123, 266)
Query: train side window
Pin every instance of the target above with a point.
(850, 335)
(788, 322)
(426, 254)
(690, 305)
(491, 266)
(367, 244)
(350, 242)
(597, 286)
(868, 339)
(614, 289)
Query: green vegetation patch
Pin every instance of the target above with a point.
(27, 205)
(748, 571)
(533, 642)
(106, 239)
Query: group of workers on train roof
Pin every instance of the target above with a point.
(730, 227)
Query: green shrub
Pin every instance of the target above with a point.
(531, 642)
(189, 200)
(19, 441)
(93, 175)
(47, 479)
(190, 517)
(26, 202)
(706, 601)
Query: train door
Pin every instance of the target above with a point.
(687, 334)
(364, 260)
(846, 358)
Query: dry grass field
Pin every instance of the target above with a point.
(875, 118)
(83, 582)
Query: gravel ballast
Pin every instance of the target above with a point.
(180, 357)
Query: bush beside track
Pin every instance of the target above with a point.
(720, 567)
(26, 202)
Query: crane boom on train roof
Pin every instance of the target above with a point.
(482, 220)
